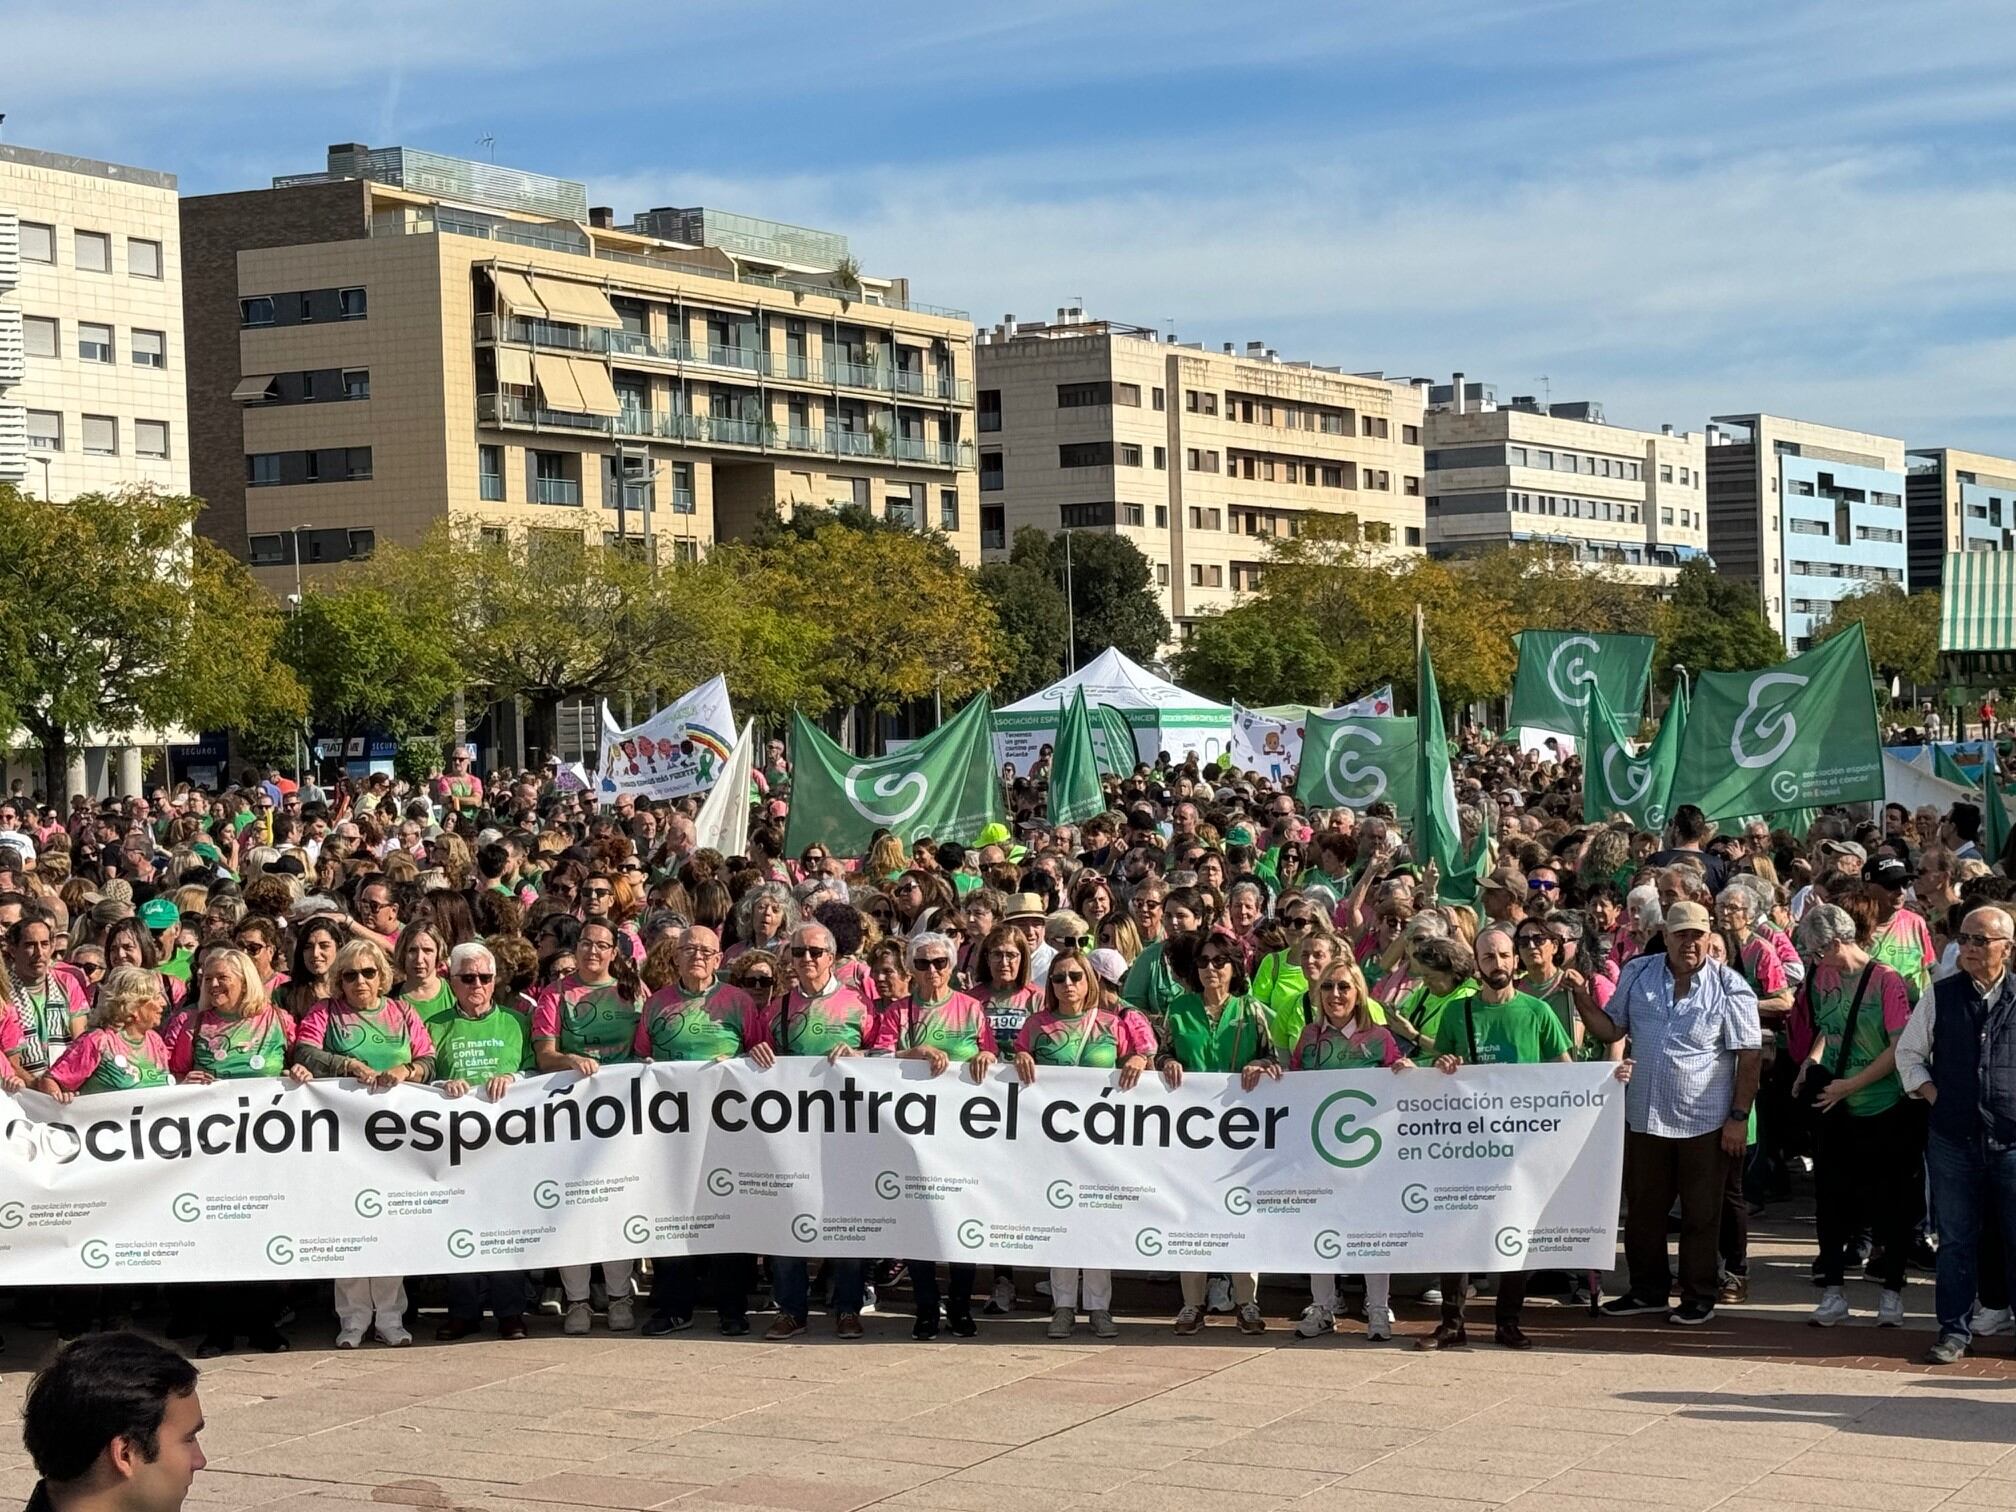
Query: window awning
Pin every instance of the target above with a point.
(576, 304)
(598, 394)
(557, 386)
(514, 365)
(1977, 616)
(514, 294)
(254, 386)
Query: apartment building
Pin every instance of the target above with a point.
(91, 377)
(405, 336)
(1630, 503)
(1806, 514)
(1198, 457)
(1955, 501)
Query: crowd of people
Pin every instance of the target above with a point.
(1835, 1003)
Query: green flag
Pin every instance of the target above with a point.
(1438, 834)
(944, 786)
(1994, 808)
(1075, 794)
(1113, 742)
(1944, 766)
(1616, 782)
(1353, 761)
(1550, 689)
(1801, 734)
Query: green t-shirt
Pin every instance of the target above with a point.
(434, 1010)
(700, 1026)
(1150, 985)
(475, 1049)
(1283, 987)
(1240, 1036)
(1422, 1008)
(1521, 1031)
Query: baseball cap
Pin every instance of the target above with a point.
(1683, 917)
(1109, 965)
(992, 834)
(1886, 871)
(159, 913)
(1507, 879)
(1843, 848)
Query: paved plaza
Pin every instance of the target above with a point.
(1755, 1411)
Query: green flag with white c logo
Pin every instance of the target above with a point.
(1354, 761)
(1802, 734)
(1614, 781)
(943, 786)
(1551, 689)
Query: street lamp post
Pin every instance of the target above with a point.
(44, 460)
(300, 740)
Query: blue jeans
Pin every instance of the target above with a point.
(791, 1284)
(1972, 1188)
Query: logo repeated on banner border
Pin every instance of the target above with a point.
(1332, 1133)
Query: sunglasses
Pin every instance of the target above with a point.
(475, 978)
(1298, 921)
(1148, 905)
(1213, 963)
(759, 983)
(933, 963)
(1981, 939)
(599, 892)
(1067, 976)
(361, 974)
(1334, 989)
(1540, 884)
(808, 952)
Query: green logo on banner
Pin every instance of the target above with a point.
(805, 1228)
(888, 1186)
(946, 785)
(280, 1250)
(546, 1194)
(370, 1203)
(1415, 1198)
(972, 1233)
(1239, 1201)
(186, 1207)
(721, 1182)
(96, 1254)
(1061, 1194)
(1334, 1136)
(462, 1244)
(1510, 1242)
(1557, 668)
(1148, 1241)
(1328, 1244)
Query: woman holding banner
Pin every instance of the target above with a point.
(1079, 1025)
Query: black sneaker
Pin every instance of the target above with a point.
(734, 1328)
(1689, 1314)
(1631, 1305)
(658, 1325)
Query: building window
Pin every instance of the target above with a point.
(268, 550)
(1161, 399)
(1214, 576)
(1131, 514)
(40, 335)
(94, 252)
(256, 311)
(38, 242)
(1413, 535)
(262, 469)
(150, 349)
(1128, 394)
(1410, 435)
(350, 304)
(1544, 460)
(1085, 516)
(1130, 456)
(45, 431)
(1196, 575)
(990, 470)
(1161, 458)
(94, 342)
(990, 409)
(357, 463)
(1161, 516)
(143, 258)
(1085, 454)
(101, 436)
(1411, 487)
(490, 472)
(150, 438)
(1083, 395)
(356, 383)
(1162, 574)
(948, 509)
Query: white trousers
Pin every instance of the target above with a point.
(615, 1276)
(1096, 1296)
(1378, 1290)
(363, 1300)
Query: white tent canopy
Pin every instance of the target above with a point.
(1162, 716)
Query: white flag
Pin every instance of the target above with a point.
(723, 822)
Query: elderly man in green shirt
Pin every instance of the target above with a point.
(481, 1045)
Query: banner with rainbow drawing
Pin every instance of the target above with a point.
(677, 751)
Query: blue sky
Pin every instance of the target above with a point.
(1681, 209)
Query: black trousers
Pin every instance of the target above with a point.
(505, 1293)
(958, 1299)
(240, 1308)
(676, 1285)
(1657, 1170)
(1867, 1172)
(1510, 1300)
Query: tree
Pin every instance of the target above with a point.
(1259, 653)
(1712, 624)
(1029, 607)
(1902, 630)
(1112, 591)
(118, 617)
(373, 664)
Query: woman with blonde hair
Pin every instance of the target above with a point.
(886, 860)
(366, 1033)
(119, 1050)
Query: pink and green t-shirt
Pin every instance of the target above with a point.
(107, 1060)
(1905, 946)
(382, 1037)
(959, 1026)
(677, 1025)
(1325, 1047)
(1008, 1007)
(1098, 1039)
(591, 1020)
(817, 1026)
(1822, 1008)
(230, 1048)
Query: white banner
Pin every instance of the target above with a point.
(1495, 1168)
(679, 750)
(1264, 744)
(1377, 704)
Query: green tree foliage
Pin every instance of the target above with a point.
(1259, 653)
(1029, 606)
(1112, 590)
(117, 617)
(1711, 624)
(373, 663)
(1902, 630)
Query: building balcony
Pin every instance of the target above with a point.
(511, 412)
(556, 491)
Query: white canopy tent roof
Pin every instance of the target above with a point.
(1162, 716)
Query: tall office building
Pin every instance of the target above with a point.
(1198, 457)
(1806, 514)
(91, 379)
(1956, 501)
(405, 336)
(1630, 503)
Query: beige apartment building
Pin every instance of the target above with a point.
(1631, 504)
(91, 375)
(405, 336)
(1955, 501)
(1198, 457)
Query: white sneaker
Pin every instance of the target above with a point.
(579, 1317)
(1432, 1297)
(350, 1338)
(1317, 1320)
(1103, 1326)
(1061, 1321)
(622, 1315)
(1003, 1298)
(550, 1301)
(1379, 1323)
(867, 1300)
(1218, 1295)
(395, 1335)
(1989, 1321)
(1833, 1308)
(1890, 1310)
